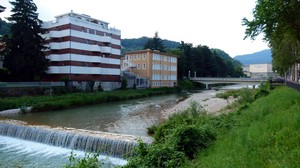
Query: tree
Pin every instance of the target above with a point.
(124, 83)
(279, 22)
(155, 44)
(23, 49)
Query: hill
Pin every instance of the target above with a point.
(261, 57)
(139, 43)
(4, 27)
(225, 56)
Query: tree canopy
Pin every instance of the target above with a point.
(279, 22)
(205, 62)
(23, 49)
(155, 44)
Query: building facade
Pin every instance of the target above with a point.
(82, 49)
(261, 71)
(159, 68)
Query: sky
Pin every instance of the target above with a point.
(214, 23)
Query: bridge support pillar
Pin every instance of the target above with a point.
(253, 86)
(207, 86)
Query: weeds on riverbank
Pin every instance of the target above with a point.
(57, 102)
(176, 141)
(264, 133)
(90, 160)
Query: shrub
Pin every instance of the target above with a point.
(90, 160)
(191, 139)
(186, 84)
(124, 83)
(156, 155)
(263, 90)
(178, 139)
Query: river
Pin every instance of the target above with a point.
(131, 117)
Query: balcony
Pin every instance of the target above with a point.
(57, 34)
(106, 50)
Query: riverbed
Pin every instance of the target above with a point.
(131, 117)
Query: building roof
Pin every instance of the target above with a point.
(87, 17)
(148, 50)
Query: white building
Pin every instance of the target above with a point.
(261, 71)
(82, 49)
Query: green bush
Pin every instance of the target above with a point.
(178, 139)
(90, 160)
(191, 139)
(157, 155)
(123, 83)
(263, 90)
(69, 100)
(186, 84)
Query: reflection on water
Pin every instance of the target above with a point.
(126, 117)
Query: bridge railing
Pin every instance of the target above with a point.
(293, 85)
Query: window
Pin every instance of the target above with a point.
(172, 77)
(138, 66)
(165, 58)
(156, 76)
(144, 56)
(134, 57)
(91, 31)
(144, 66)
(156, 66)
(156, 57)
(139, 57)
(173, 59)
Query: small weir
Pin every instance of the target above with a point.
(109, 144)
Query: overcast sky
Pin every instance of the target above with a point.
(215, 23)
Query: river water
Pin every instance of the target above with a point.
(131, 117)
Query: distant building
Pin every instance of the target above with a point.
(83, 49)
(159, 68)
(246, 70)
(261, 71)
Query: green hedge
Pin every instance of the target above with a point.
(69, 100)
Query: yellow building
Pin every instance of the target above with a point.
(159, 68)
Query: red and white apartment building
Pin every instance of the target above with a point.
(83, 49)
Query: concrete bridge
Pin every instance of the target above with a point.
(248, 81)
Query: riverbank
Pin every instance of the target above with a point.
(262, 132)
(205, 100)
(72, 100)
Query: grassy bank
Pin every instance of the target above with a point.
(263, 132)
(69, 100)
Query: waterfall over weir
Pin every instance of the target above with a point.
(115, 145)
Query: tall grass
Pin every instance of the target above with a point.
(266, 134)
